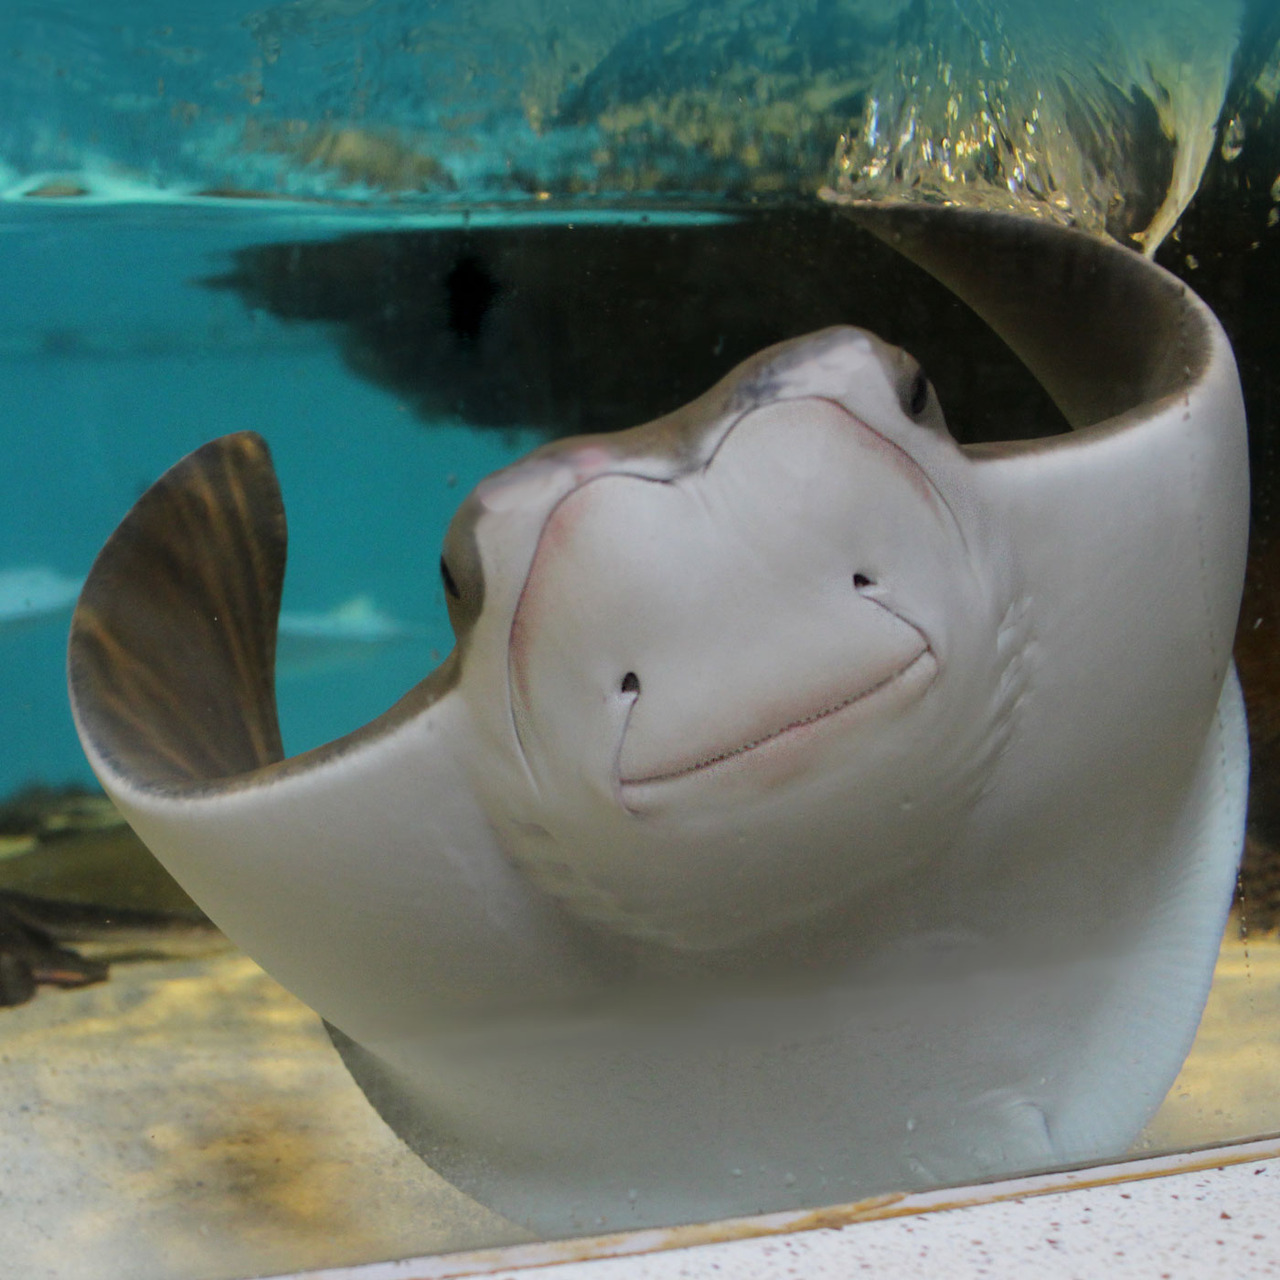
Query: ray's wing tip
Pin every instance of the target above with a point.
(897, 215)
(171, 652)
(1104, 329)
(251, 445)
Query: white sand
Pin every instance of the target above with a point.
(190, 1119)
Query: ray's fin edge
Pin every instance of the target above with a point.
(1103, 329)
(171, 656)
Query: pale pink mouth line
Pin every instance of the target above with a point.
(733, 752)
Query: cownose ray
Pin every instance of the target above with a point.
(810, 806)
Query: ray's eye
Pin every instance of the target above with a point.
(918, 396)
(631, 683)
(861, 582)
(450, 586)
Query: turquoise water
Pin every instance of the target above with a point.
(124, 348)
(336, 123)
(391, 360)
(115, 361)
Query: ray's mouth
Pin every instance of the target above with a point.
(919, 670)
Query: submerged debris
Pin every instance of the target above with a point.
(71, 871)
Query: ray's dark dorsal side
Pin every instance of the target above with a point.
(172, 651)
(1103, 332)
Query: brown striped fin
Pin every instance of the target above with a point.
(172, 651)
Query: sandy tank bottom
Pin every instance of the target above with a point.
(189, 1118)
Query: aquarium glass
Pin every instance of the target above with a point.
(409, 241)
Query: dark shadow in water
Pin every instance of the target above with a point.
(595, 328)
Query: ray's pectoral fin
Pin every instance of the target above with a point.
(172, 650)
(1116, 334)
(364, 866)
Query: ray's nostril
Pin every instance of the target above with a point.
(631, 683)
(861, 581)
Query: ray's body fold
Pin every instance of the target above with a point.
(811, 806)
